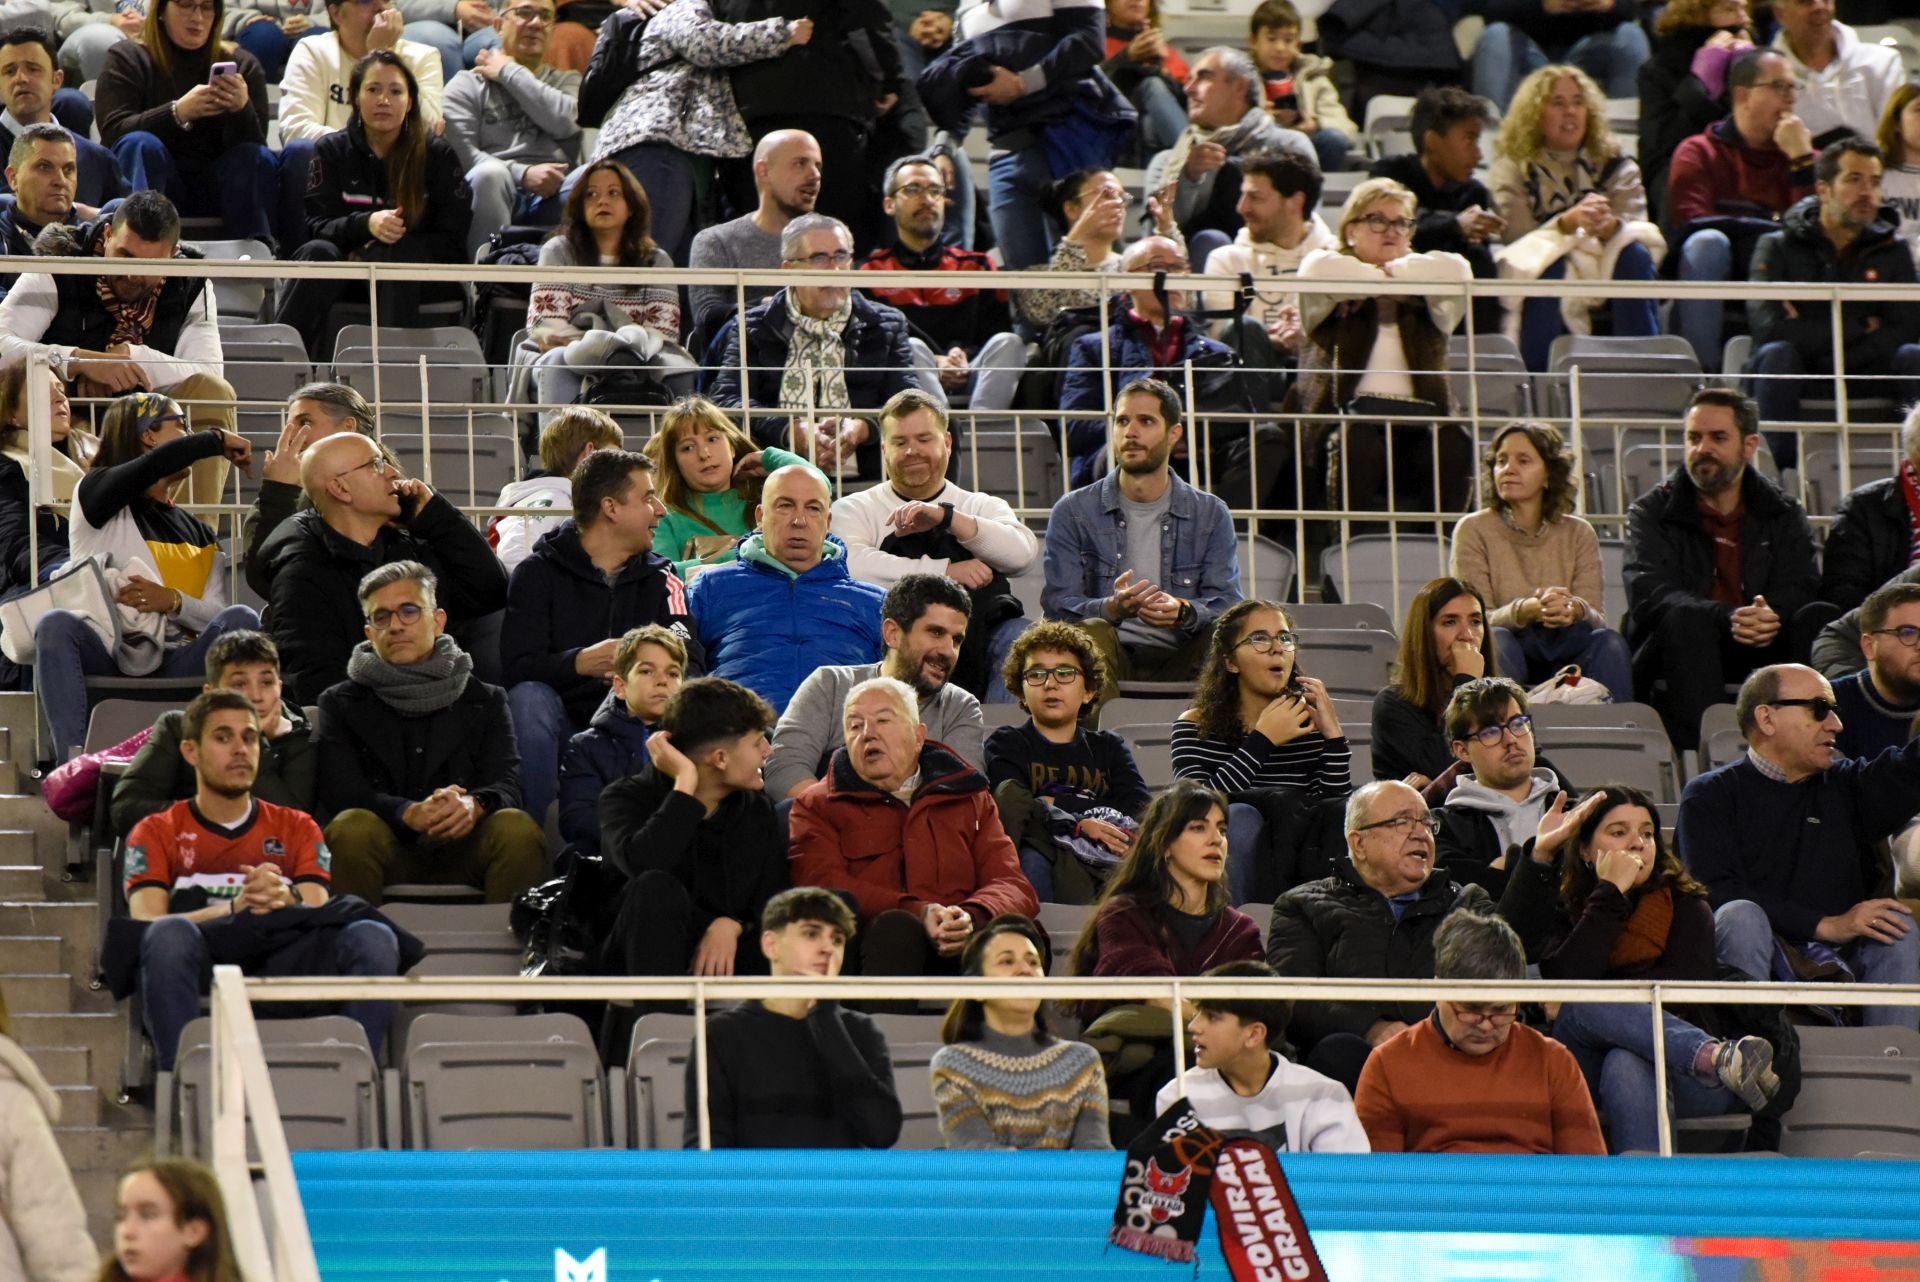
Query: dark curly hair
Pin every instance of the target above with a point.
(1216, 698)
(1558, 499)
(1053, 635)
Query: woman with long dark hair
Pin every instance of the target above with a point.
(385, 189)
(709, 473)
(1443, 644)
(1002, 1080)
(170, 1225)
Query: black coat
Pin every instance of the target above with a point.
(365, 765)
(1466, 846)
(1870, 543)
(83, 320)
(1801, 253)
(16, 568)
(347, 185)
(850, 62)
(1406, 35)
(646, 826)
(1674, 106)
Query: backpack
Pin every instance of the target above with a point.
(501, 306)
(612, 67)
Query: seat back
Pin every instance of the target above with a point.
(1063, 923)
(324, 1079)
(1266, 567)
(1342, 615)
(1387, 569)
(1353, 662)
(1023, 469)
(913, 1087)
(510, 1082)
(1859, 1093)
(1140, 710)
(114, 721)
(1640, 756)
(1152, 746)
(470, 472)
(656, 1081)
(1720, 737)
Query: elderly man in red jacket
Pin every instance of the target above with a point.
(910, 831)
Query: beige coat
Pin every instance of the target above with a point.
(43, 1227)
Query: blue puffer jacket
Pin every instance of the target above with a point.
(611, 748)
(768, 628)
(1056, 46)
(1080, 387)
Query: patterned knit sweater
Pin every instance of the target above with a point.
(1004, 1092)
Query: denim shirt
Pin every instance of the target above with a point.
(1086, 548)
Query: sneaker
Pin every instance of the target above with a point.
(1745, 1067)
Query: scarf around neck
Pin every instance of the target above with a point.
(1910, 491)
(1644, 937)
(131, 321)
(417, 689)
(816, 358)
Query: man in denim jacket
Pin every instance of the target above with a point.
(1140, 559)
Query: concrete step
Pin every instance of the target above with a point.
(79, 1105)
(102, 1035)
(97, 1155)
(21, 880)
(50, 994)
(74, 921)
(61, 1065)
(29, 954)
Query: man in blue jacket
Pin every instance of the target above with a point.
(789, 604)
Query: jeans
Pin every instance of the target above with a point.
(1784, 379)
(175, 972)
(1744, 938)
(996, 372)
(84, 53)
(268, 44)
(1532, 654)
(499, 200)
(296, 156)
(999, 646)
(456, 51)
(1506, 55)
(1331, 146)
(1613, 1043)
(242, 188)
(1039, 871)
(68, 651)
(1163, 113)
(1705, 255)
(542, 728)
(1017, 183)
(1246, 837)
(1541, 321)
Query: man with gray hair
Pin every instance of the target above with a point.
(909, 831)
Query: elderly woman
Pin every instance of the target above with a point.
(909, 830)
(1373, 919)
(1367, 355)
(1575, 208)
(1538, 565)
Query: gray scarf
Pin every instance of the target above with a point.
(817, 359)
(418, 689)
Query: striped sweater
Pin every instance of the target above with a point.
(1004, 1092)
(1311, 763)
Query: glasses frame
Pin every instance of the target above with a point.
(1907, 634)
(837, 259)
(379, 624)
(1282, 640)
(1814, 705)
(1065, 674)
(1495, 1016)
(1406, 823)
(1381, 225)
(378, 463)
(1519, 725)
(921, 191)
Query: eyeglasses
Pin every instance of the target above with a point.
(198, 10)
(533, 17)
(1403, 824)
(1481, 1013)
(1383, 224)
(161, 420)
(838, 258)
(1908, 635)
(378, 463)
(1519, 727)
(920, 191)
(1779, 86)
(409, 614)
(1268, 642)
(1820, 708)
(1065, 674)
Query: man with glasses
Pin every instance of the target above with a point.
(418, 768)
(1879, 703)
(1495, 808)
(1787, 841)
(512, 121)
(364, 515)
(1845, 81)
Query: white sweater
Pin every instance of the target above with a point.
(1299, 1110)
(1901, 188)
(313, 88)
(1852, 91)
(1261, 258)
(1386, 373)
(1002, 540)
(43, 1227)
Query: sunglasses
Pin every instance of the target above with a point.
(1820, 708)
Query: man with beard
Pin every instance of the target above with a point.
(1878, 703)
(1490, 817)
(1142, 560)
(1721, 575)
(923, 622)
(786, 173)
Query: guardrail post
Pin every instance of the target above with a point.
(1663, 1119)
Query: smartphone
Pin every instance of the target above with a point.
(223, 69)
(409, 504)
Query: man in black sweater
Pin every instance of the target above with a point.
(795, 1072)
(1456, 209)
(1786, 840)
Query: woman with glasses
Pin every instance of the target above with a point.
(1538, 565)
(1443, 645)
(1087, 211)
(185, 113)
(1600, 896)
(1070, 797)
(164, 566)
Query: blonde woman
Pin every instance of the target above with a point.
(1575, 208)
(709, 473)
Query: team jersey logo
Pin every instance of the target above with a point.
(136, 862)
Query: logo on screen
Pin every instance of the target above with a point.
(591, 1269)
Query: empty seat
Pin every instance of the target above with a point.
(1152, 745)
(1593, 755)
(1262, 915)
(242, 299)
(453, 338)
(1859, 1093)
(913, 1086)
(325, 1083)
(1383, 568)
(1720, 737)
(1131, 710)
(1868, 459)
(1339, 614)
(1353, 662)
(1266, 568)
(1491, 369)
(655, 1083)
(1063, 923)
(1594, 714)
(514, 1082)
(457, 928)
(1023, 469)
(453, 378)
(263, 374)
(1633, 377)
(470, 472)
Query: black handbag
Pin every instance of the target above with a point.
(563, 922)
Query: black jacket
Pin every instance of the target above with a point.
(731, 862)
(1870, 543)
(851, 61)
(1466, 846)
(17, 236)
(347, 185)
(82, 319)
(833, 1088)
(1555, 32)
(1065, 42)
(365, 764)
(1342, 928)
(1670, 559)
(135, 95)
(1406, 35)
(1801, 253)
(314, 575)
(16, 568)
(558, 604)
(1674, 106)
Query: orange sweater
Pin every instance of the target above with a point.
(1419, 1095)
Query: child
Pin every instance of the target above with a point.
(1240, 1085)
(1300, 90)
(571, 435)
(169, 1223)
(1067, 795)
(648, 665)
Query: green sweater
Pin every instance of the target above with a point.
(724, 513)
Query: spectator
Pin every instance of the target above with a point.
(1070, 797)
(678, 119)
(1172, 544)
(1844, 81)
(923, 623)
(87, 29)
(167, 568)
(1243, 1086)
(30, 85)
(1399, 47)
(1836, 650)
(789, 604)
(1502, 795)
(160, 775)
(512, 122)
(1872, 539)
(1575, 208)
(963, 334)
(648, 668)
(41, 175)
(1601, 897)
(1785, 840)
(786, 174)
(582, 587)
(458, 30)
(268, 29)
(1720, 569)
(1300, 93)
(169, 1222)
(1605, 40)
(921, 523)
(812, 350)
(195, 867)
(1443, 645)
(565, 442)
(1899, 140)
(44, 1226)
(1258, 722)
(1163, 912)
(1279, 205)
(1539, 562)
(384, 189)
(314, 411)
(364, 515)
(1002, 1081)
(1432, 1088)
(418, 764)
(699, 871)
(797, 1072)
(1683, 86)
(1374, 918)
(1089, 206)
(710, 475)
(1838, 236)
(1149, 71)
(1375, 354)
(1453, 209)
(181, 122)
(1729, 184)
(1878, 704)
(1199, 175)
(73, 449)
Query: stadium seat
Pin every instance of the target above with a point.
(324, 1077)
(1384, 568)
(1063, 923)
(913, 1085)
(470, 472)
(653, 1089)
(1859, 1094)
(1593, 755)
(996, 715)
(1555, 715)
(1023, 470)
(457, 929)
(453, 338)
(1389, 126)
(1266, 568)
(518, 1082)
(1262, 915)
(1028, 585)
(1339, 614)
(1353, 662)
(1152, 744)
(1869, 458)
(484, 965)
(1133, 710)
(1720, 737)
(263, 372)
(243, 300)
(454, 378)
(1492, 364)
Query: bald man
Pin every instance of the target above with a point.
(789, 604)
(364, 515)
(786, 174)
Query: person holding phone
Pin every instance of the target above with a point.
(185, 113)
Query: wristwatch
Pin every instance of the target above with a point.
(946, 517)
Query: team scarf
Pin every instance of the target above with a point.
(1261, 1231)
(1163, 1195)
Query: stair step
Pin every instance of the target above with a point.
(61, 1065)
(75, 921)
(52, 994)
(29, 954)
(113, 1146)
(21, 880)
(79, 1105)
(103, 1035)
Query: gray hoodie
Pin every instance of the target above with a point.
(1514, 821)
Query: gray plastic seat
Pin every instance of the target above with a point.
(513, 1082)
(325, 1082)
(1353, 662)
(1144, 710)
(1266, 567)
(656, 1085)
(1859, 1094)
(1152, 746)
(913, 1086)
(1387, 569)
(1339, 614)
(1640, 756)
